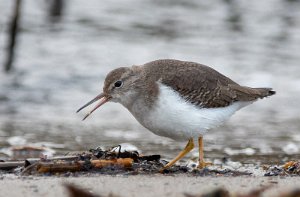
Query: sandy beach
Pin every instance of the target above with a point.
(143, 185)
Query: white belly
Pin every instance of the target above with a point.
(175, 118)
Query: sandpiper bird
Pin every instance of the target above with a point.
(177, 99)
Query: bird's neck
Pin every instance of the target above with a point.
(140, 102)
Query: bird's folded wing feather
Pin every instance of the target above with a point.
(205, 87)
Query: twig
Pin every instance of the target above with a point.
(13, 31)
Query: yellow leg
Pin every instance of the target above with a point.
(202, 164)
(187, 149)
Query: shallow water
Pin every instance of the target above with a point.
(61, 66)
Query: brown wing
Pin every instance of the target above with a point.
(202, 85)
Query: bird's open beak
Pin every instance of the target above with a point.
(102, 99)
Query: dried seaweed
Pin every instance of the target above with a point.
(111, 161)
(117, 161)
(291, 168)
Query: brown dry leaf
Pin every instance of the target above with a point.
(75, 191)
(295, 193)
(216, 193)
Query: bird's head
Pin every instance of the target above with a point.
(120, 85)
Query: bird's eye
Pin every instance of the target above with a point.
(118, 84)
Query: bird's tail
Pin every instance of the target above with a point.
(244, 93)
(264, 92)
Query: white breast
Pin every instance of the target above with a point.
(178, 119)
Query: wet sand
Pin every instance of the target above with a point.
(143, 185)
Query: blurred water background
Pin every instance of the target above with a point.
(60, 66)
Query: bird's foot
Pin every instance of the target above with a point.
(203, 164)
(188, 148)
(164, 168)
